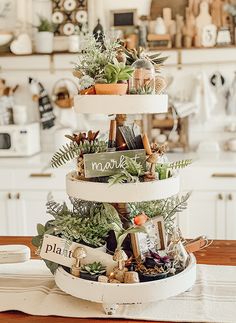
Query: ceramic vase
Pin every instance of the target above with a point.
(44, 42)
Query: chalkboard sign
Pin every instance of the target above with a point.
(110, 163)
(123, 18)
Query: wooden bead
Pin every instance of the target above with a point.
(102, 279)
(131, 277)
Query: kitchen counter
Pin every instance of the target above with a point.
(42, 160)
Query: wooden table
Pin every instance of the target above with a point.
(220, 252)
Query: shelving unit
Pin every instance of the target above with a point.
(111, 295)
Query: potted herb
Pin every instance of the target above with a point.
(114, 80)
(44, 36)
(92, 271)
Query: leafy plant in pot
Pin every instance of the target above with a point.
(114, 80)
(92, 271)
(44, 36)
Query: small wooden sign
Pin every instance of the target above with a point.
(154, 239)
(110, 163)
(58, 250)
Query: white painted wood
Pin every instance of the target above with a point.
(64, 61)
(7, 179)
(127, 293)
(220, 216)
(201, 178)
(200, 217)
(25, 63)
(230, 215)
(117, 104)
(129, 192)
(25, 179)
(3, 213)
(208, 56)
(31, 206)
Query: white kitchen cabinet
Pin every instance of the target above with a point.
(200, 216)
(31, 208)
(4, 197)
(210, 213)
(230, 215)
(21, 211)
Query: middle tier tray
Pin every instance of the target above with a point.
(129, 192)
(121, 104)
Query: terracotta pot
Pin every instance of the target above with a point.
(90, 90)
(111, 89)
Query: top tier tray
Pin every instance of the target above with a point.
(121, 104)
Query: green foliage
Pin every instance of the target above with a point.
(87, 222)
(114, 73)
(122, 234)
(89, 225)
(143, 90)
(45, 25)
(133, 55)
(164, 170)
(73, 150)
(130, 174)
(166, 208)
(95, 268)
(180, 164)
(96, 56)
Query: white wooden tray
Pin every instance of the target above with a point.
(114, 294)
(130, 192)
(121, 104)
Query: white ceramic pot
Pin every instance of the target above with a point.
(160, 27)
(74, 43)
(44, 42)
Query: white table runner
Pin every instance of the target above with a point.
(29, 287)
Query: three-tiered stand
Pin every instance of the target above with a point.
(111, 295)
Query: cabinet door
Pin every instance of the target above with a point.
(231, 216)
(3, 212)
(31, 209)
(203, 212)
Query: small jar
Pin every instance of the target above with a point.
(143, 79)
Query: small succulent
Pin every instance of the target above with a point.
(95, 268)
(116, 73)
(133, 54)
(146, 89)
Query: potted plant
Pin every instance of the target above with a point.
(92, 271)
(114, 80)
(44, 36)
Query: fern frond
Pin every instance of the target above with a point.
(133, 167)
(180, 164)
(117, 179)
(65, 154)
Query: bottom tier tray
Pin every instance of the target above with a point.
(113, 294)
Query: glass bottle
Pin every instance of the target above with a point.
(143, 79)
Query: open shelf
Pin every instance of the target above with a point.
(121, 104)
(125, 193)
(127, 293)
